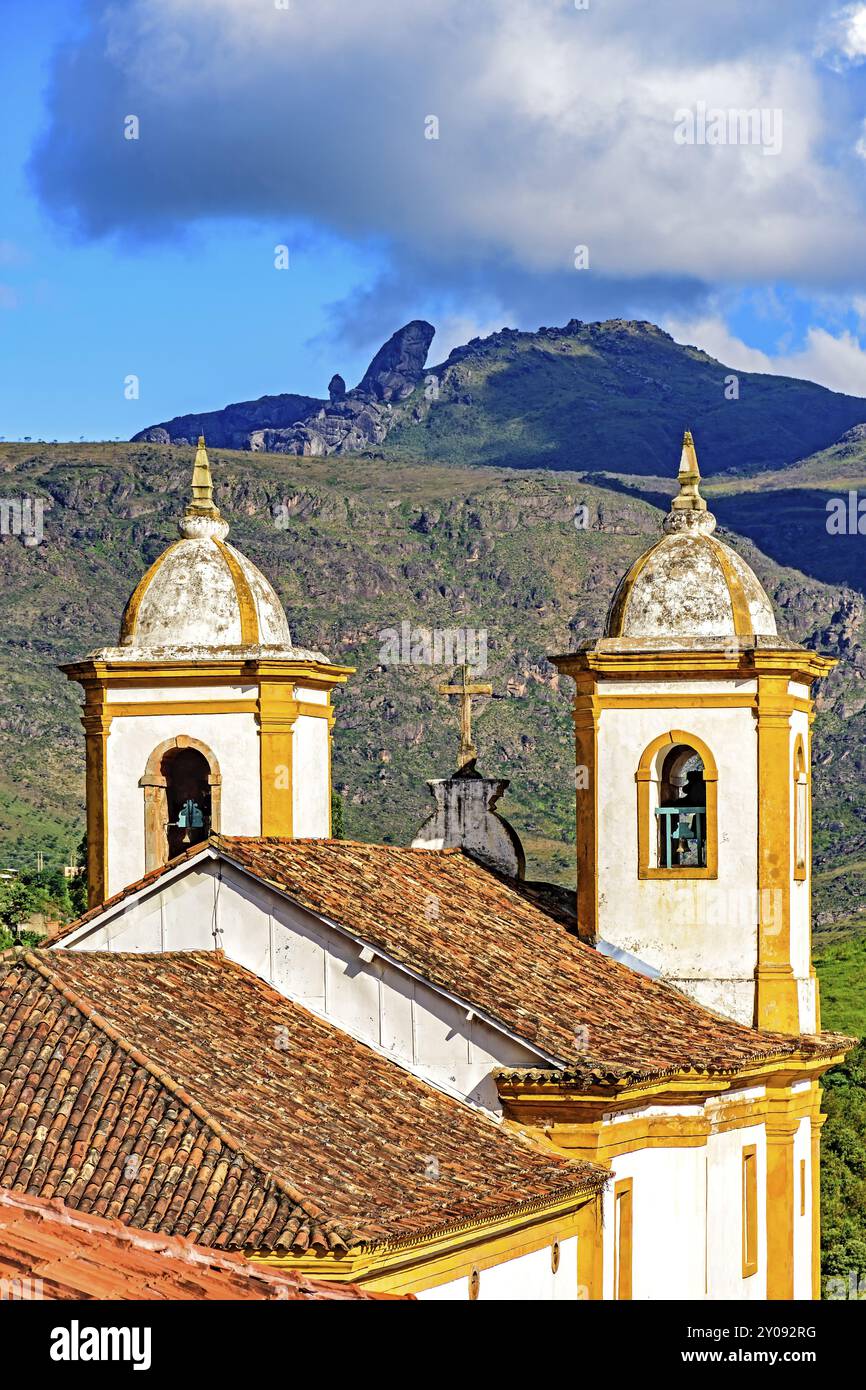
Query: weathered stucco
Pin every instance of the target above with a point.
(465, 818)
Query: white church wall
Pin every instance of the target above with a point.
(320, 967)
(234, 740)
(724, 1220)
(311, 800)
(668, 1222)
(703, 932)
(527, 1279)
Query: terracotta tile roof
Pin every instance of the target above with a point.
(76, 1255)
(469, 931)
(506, 949)
(181, 1094)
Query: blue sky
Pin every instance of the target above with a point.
(307, 124)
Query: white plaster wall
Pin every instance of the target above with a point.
(668, 1207)
(311, 782)
(168, 694)
(319, 967)
(701, 932)
(724, 1160)
(310, 696)
(234, 740)
(803, 1211)
(527, 1279)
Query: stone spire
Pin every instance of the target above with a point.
(202, 516)
(688, 509)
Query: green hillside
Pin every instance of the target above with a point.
(615, 397)
(355, 547)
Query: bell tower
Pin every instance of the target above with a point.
(204, 718)
(692, 722)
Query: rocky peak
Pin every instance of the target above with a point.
(394, 372)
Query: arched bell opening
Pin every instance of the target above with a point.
(681, 813)
(188, 798)
(182, 786)
(677, 808)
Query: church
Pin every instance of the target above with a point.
(410, 1070)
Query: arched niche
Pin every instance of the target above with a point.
(801, 811)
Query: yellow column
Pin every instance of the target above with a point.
(590, 1251)
(776, 1003)
(817, 1121)
(780, 1129)
(97, 722)
(586, 711)
(276, 715)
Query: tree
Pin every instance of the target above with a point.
(843, 1169)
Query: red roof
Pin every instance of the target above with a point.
(182, 1094)
(53, 1251)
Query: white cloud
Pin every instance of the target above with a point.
(843, 40)
(556, 129)
(834, 360)
(456, 329)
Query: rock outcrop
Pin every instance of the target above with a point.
(290, 424)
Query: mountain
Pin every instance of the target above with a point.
(346, 422)
(357, 550)
(602, 397)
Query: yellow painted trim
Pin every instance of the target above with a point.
(277, 712)
(250, 634)
(736, 593)
(750, 1209)
(118, 710)
(776, 1001)
(817, 1122)
(317, 675)
(780, 1128)
(130, 613)
(673, 701)
(798, 664)
(96, 729)
(644, 777)
(590, 1252)
(624, 591)
(623, 1244)
(124, 710)
(586, 816)
(449, 1256)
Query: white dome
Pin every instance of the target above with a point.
(201, 592)
(204, 593)
(690, 584)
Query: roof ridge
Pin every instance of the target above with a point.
(343, 1236)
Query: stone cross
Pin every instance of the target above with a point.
(465, 690)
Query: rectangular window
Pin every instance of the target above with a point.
(622, 1238)
(802, 1187)
(750, 1211)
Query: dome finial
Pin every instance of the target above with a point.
(202, 516)
(689, 479)
(688, 509)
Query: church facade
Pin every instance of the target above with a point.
(635, 1071)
